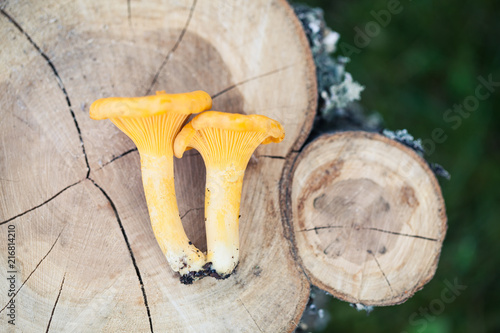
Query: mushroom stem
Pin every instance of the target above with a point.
(152, 122)
(159, 189)
(226, 142)
(222, 207)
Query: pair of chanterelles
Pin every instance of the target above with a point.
(225, 141)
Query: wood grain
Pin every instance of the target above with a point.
(367, 217)
(86, 257)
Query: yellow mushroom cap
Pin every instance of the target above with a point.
(152, 122)
(261, 129)
(185, 103)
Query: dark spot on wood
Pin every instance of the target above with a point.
(300, 208)
(384, 205)
(383, 250)
(407, 195)
(353, 213)
(317, 180)
(317, 201)
(324, 175)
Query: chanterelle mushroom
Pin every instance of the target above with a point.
(226, 143)
(152, 122)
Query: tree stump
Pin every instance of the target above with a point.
(78, 252)
(368, 218)
(85, 255)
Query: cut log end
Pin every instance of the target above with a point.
(368, 218)
(86, 255)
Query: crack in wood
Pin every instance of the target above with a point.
(190, 210)
(171, 52)
(369, 228)
(255, 322)
(401, 234)
(58, 79)
(381, 270)
(272, 156)
(118, 157)
(324, 227)
(55, 304)
(43, 203)
(33, 271)
(121, 228)
(132, 256)
(231, 87)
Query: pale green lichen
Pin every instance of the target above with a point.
(336, 88)
(402, 136)
(405, 138)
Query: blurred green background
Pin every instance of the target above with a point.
(425, 61)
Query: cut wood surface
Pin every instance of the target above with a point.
(368, 218)
(86, 259)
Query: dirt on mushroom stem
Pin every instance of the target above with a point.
(207, 271)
